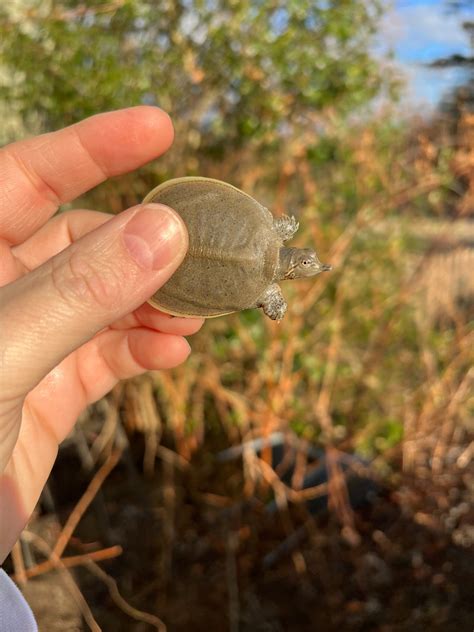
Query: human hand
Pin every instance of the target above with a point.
(72, 290)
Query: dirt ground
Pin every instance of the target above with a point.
(199, 563)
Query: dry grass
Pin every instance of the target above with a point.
(375, 357)
(360, 346)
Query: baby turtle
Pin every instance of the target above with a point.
(236, 253)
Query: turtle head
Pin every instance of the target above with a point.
(296, 263)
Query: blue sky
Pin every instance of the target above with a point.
(418, 31)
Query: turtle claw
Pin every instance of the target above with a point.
(273, 303)
(285, 226)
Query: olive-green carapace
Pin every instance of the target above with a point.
(236, 252)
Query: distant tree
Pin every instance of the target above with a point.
(229, 71)
(453, 126)
(462, 96)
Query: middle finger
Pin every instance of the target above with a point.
(57, 234)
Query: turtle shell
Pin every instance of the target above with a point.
(233, 250)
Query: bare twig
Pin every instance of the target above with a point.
(69, 562)
(448, 424)
(69, 582)
(109, 428)
(338, 493)
(20, 575)
(84, 502)
(173, 458)
(132, 612)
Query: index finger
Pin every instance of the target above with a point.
(39, 174)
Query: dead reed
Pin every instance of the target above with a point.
(375, 358)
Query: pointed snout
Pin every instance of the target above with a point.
(325, 267)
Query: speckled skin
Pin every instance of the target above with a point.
(233, 258)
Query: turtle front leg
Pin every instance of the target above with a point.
(272, 302)
(285, 226)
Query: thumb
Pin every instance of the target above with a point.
(103, 276)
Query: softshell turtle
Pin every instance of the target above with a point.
(236, 253)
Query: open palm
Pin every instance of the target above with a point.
(72, 291)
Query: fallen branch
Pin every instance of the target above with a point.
(68, 562)
(69, 582)
(111, 584)
(84, 502)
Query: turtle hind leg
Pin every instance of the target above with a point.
(285, 226)
(272, 302)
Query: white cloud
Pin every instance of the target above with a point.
(418, 34)
(423, 24)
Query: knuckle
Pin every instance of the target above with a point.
(81, 281)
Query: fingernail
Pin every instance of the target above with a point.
(154, 237)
